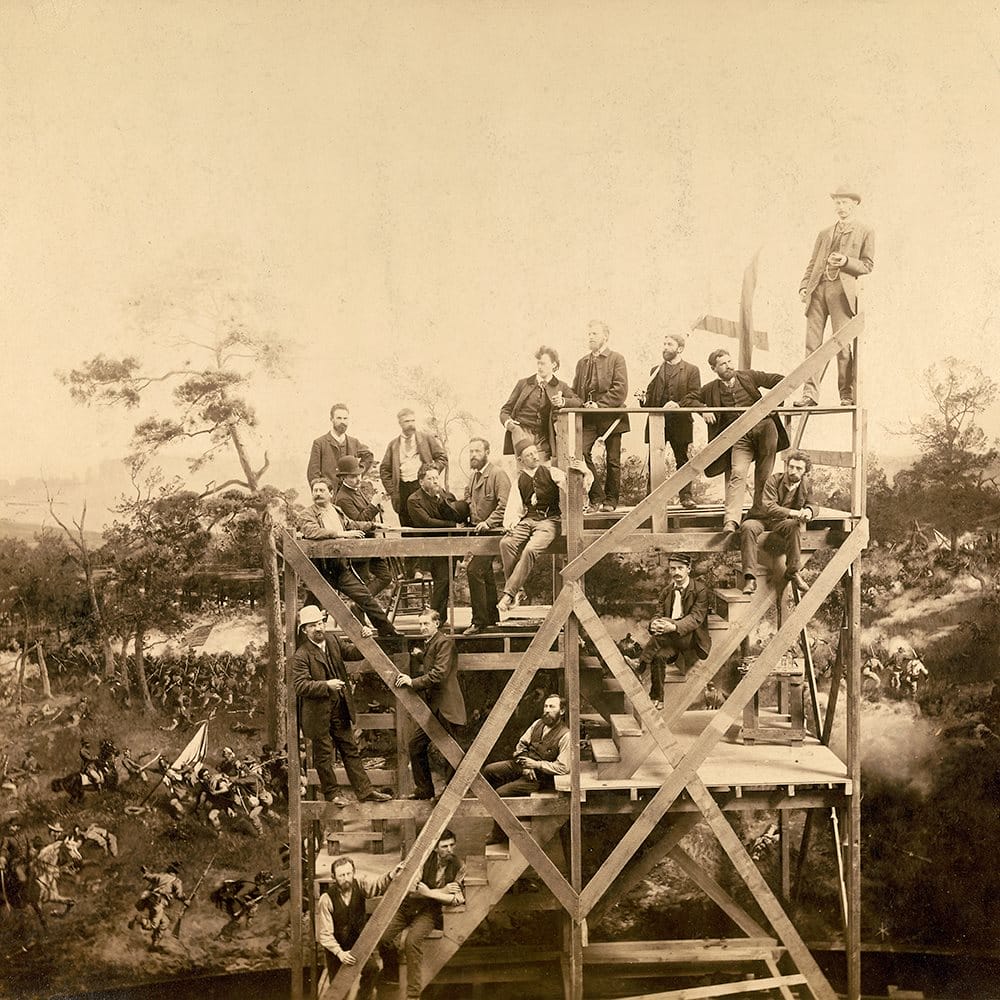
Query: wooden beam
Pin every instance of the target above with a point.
(609, 542)
(466, 774)
(716, 893)
(740, 988)
(854, 773)
(833, 459)
(722, 719)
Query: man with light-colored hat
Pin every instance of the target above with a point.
(843, 253)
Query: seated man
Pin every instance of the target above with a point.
(324, 520)
(341, 916)
(359, 505)
(679, 633)
(541, 753)
(783, 510)
(432, 506)
(439, 885)
(531, 520)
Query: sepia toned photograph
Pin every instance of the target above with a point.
(499, 500)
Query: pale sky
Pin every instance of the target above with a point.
(451, 184)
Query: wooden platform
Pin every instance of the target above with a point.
(730, 765)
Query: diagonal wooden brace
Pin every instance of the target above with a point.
(613, 539)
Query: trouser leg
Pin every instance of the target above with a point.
(680, 450)
(840, 313)
(613, 468)
(510, 549)
(542, 535)
(506, 777)
(441, 586)
(343, 737)
(351, 585)
(590, 436)
(786, 539)
(765, 447)
(322, 748)
(482, 591)
(750, 532)
(423, 783)
(740, 458)
(416, 934)
(816, 315)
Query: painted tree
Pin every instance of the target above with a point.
(158, 536)
(206, 319)
(955, 476)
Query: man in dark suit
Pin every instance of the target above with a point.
(679, 632)
(326, 708)
(669, 383)
(405, 454)
(528, 413)
(784, 510)
(328, 449)
(432, 506)
(758, 446)
(842, 254)
(443, 693)
(354, 500)
(601, 380)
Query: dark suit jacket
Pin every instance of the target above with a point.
(692, 639)
(859, 246)
(311, 526)
(612, 386)
(436, 512)
(317, 703)
(772, 511)
(710, 394)
(684, 379)
(438, 679)
(522, 389)
(326, 453)
(431, 450)
(355, 504)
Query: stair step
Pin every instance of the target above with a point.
(717, 624)
(605, 751)
(475, 870)
(732, 595)
(624, 727)
(497, 852)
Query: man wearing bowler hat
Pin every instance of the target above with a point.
(678, 632)
(842, 254)
(353, 499)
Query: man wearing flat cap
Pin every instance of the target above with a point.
(678, 632)
(842, 254)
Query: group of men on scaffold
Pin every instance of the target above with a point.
(528, 512)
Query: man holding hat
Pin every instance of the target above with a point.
(326, 709)
(353, 500)
(678, 633)
(842, 254)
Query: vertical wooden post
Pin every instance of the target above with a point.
(785, 845)
(294, 787)
(657, 465)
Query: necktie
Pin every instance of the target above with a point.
(591, 376)
(677, 611)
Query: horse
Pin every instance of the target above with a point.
(79, 782)
(50, 863)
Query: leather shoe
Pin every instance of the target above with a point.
(796, 578)
(376, 796)
(337, 800)
(607, 508)
(730, 528)
(846, 402)
(805, 402)
(414, 797)
(688, 503)
(750, 585)
(474, 629)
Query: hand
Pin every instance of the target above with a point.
(454, 888)
(529, 773)
(354, 533)
(802, 294)
(709, 418)
(511, 424)
(334, 684)
(528, 763)
(347, 958)
(404, 680)
(578, 465)
(591, 405)
(367, 631)
(481, 527)
(558, 400)
(671, 405)
(398, 868)
(836, 260)
(640, 398)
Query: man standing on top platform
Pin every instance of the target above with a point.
(330, 448)
(405, 454)
(842, 254)
(783, 511)
(486, 496)
(601, 380)
(679, 632)
(758, 446)
(541, 753)
(670, 382)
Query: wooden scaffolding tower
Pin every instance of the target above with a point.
(666, 770)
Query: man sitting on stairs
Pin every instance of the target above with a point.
(679, 632)
(783, 510)
(439, 884)
(541, 753)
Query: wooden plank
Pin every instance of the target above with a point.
(833, 459)
(772, 967)
(716, 893)
(739, 988)
(466, 775)
(657, 464)
(853, 611)
(294, 787)
(609, 542)
(721, 720)
(752, 949)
